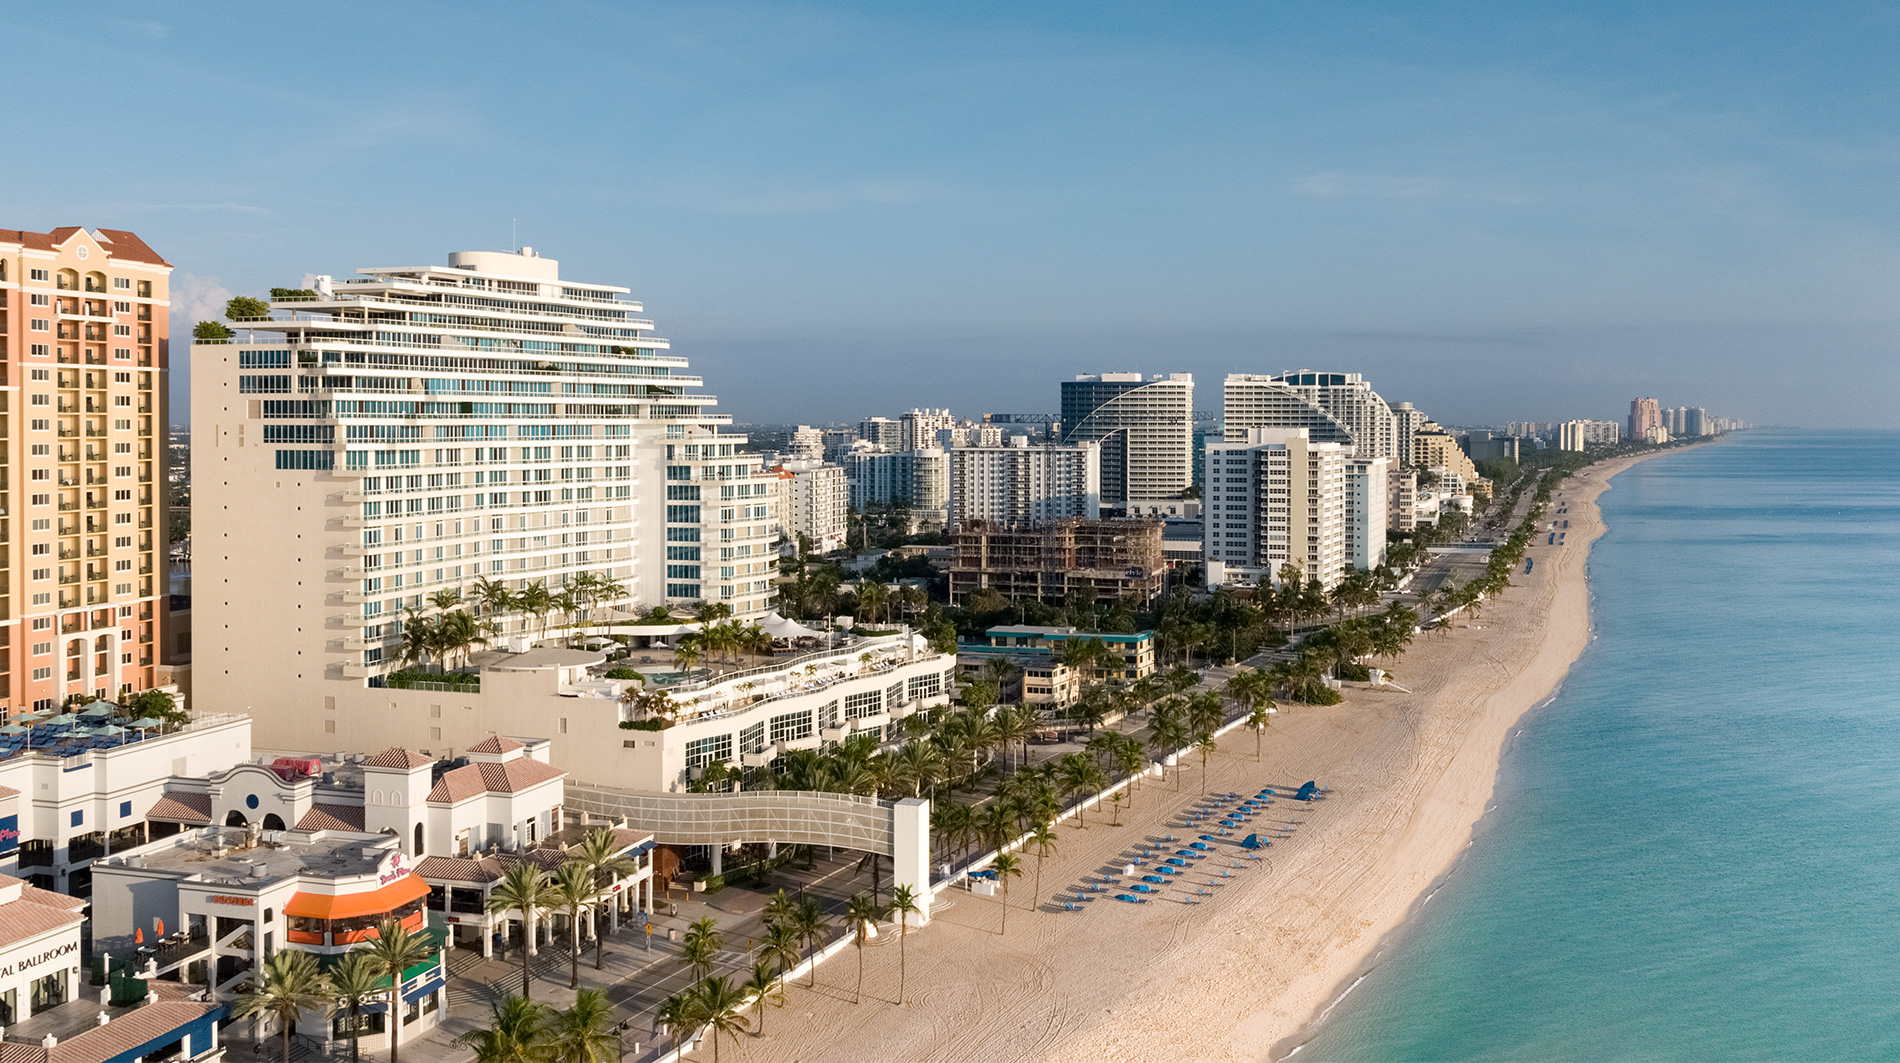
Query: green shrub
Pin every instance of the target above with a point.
(714, 883)
(643, 725)
(624, 673)
(1356, 672)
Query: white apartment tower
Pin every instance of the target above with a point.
(1407, 420)
(919, 479)
(918, 429)
(820, 498)
(1274, 498)
(1332, 407)
(1145, 428)
(1368, 491)
(1021, 485)
(430, 429)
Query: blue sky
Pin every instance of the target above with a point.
(1495, 211)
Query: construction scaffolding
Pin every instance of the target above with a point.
(1058, 560)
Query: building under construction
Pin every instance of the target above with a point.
(1056, 560)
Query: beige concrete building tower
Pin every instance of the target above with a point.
(379, 446)
(83, 324)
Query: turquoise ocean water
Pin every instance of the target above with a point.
(1696, 849)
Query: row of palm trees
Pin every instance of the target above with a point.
(535, 602)
(290, 985)
(578, 888)
(794, 930)
(522, 1031)
(443, 632)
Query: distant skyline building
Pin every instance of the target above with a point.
(1406, 421)
(817, 501)
(1583, 434)
(1332, 407)
(883, 431)
(1023, 484)
(807, 444)
(1645, 418)
(1145, 428)
(920, 479)
(918, 429)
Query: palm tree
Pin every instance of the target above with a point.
(701, 947)
(861, 914)
(1205, 745)
(493, 596)
(289, 985)
(535, 601)
(1045, 842)
(677, 1015)
(1006, 866)
(605, 860)
(585, 1032)
(515, 1034)
(1130, 760)
(522, 889)
(574, 892)
(919, 764)
(394, 951)
(718, 1004)
(808, 919)
(357, 981)
(760, 986)
(781, 945)
(903, 906)
(1258, 719)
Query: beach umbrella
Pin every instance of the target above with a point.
(145, 723)
(13, 729)
(109, 729)
(100, 708)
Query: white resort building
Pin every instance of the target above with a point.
(378, 446)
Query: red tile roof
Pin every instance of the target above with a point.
(459, 869)
(496, 744)
(474, 780)
(182, 808)
(332, 817)
(398, 757)
(35, 895)
(118, 243)
(24, 919)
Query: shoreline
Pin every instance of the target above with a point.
(1249, 973)
(1597, 481)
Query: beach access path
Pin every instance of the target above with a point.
(1246, 971)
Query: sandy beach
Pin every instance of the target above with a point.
(1245, 974)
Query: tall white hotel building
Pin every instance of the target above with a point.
(390, 437)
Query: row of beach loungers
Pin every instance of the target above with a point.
(1169, 861)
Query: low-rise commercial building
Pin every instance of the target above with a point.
(220, 900)
(1135, 652)
(72, 793)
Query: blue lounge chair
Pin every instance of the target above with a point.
(1139, 888)
(1156, 879)
(1176, 861)
(1130, 898)
(1071, 906)
(1252, 841)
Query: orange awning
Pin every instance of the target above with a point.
(354, 905)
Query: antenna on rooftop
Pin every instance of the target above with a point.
(514, 242)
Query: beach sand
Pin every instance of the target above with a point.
(1246, 973)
